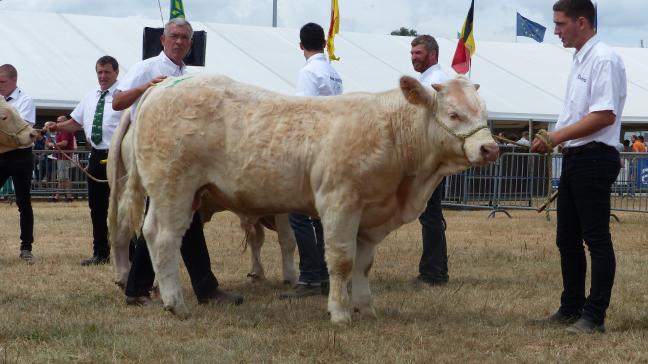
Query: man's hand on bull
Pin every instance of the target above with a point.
(157, 79)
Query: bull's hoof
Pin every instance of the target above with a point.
(155, 292)
(121, 285)
(180, 312)
(366, 311)
(255, 277)
(341, 318)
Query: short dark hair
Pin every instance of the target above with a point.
(311, 37)
(641, 138)
(9, 70)
(108, 60)
(574, 9)
(428, 42)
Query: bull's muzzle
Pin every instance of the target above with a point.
(34, 134)
(489, 152)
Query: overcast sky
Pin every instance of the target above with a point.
(621, 22)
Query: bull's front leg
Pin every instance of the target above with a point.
(340, 231)
(287, 243)
(163, 234)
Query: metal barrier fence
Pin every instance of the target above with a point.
(523, 181)
(48, 174)
(515, 181)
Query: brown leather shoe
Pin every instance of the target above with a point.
(138, 300)
(220, 296)
(585, 326)
(302, 290)
(431, 281)
(95, 260)
(557, 318)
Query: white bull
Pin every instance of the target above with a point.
(119, 161)
(14, 131)
(364, 163)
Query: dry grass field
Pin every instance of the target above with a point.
(503, 272)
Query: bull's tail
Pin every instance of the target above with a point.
(116, 173)
(133, 198)
(124, 188)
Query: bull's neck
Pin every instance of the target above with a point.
(411, 139)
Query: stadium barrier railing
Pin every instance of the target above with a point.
(517, 180)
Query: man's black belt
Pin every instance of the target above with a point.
(584, 147)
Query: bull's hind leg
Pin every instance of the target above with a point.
(360, 292)
(340, 231)
(365, 252)
(120, 240)
(163, 231)
(254, 237)
(287, 243)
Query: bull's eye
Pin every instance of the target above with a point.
(453, 116)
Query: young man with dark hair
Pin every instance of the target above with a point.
(18, 163)
(588, 129)
(316, 78)
(98, 119)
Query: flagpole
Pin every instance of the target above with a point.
(469, 63)
(274, 13)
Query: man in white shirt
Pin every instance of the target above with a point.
(176, 41)
(524, 140)
(316, 78)
(18, 163)
(433, 267)
(98, 119)
(588, 128)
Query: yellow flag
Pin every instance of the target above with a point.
(334, 28)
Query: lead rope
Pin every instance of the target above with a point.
(544, 138)
(77, 164)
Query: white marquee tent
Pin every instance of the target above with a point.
(55, 56)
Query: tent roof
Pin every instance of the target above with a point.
(55, 56)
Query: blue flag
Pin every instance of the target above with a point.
(527, 28)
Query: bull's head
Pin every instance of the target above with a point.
(14, 131)
(457, 108)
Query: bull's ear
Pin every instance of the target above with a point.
(476, 86)
(415, 93)
(438, 87)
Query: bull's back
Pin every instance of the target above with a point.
(256, 146)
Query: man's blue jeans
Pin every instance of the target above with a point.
(310, 243)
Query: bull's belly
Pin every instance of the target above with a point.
(260, 201)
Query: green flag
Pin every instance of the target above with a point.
(177, 10)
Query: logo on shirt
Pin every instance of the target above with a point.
(581, 78)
